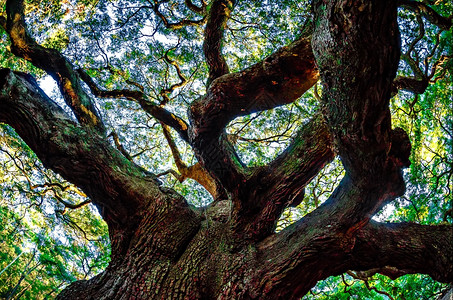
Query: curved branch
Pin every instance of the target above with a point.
(165, 92)
(195, 172)
(51, 61)
(176, 25)
(279, 79)
(430, 14)
(154, 110)
(218, 16)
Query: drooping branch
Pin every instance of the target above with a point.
(218, 16)
(154, 110)
(51, 61)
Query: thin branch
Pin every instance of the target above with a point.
(165, 92)
(119, 146)
(176, 25)
(71, 205)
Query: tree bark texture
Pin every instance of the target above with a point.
(162, 248)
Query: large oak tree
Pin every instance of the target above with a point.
(165, 248)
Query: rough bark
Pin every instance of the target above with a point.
(213, 38)
(164, 249)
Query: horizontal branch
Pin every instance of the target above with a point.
(406, 247)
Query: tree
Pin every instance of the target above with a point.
(164, 247)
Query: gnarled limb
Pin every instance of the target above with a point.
(195, 172)
(122, 191)
(218, 16)
(357, 75)
(282, 182)
(279, 79)
(51, 61)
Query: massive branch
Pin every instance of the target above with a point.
(51, 61)
(357, 69)
(123, 193)
(282, 183)
(307, 252)
(279, 79)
